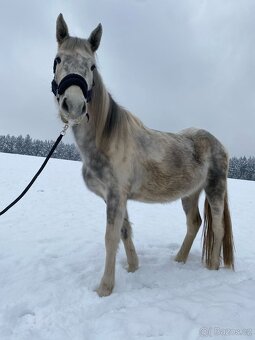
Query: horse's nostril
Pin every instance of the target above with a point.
(72, 106)
(65, 105)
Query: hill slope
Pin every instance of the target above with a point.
(52, 257)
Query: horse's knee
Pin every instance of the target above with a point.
(124, 233)
(126, 230)
(112, 238)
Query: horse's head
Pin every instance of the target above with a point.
(73, 71)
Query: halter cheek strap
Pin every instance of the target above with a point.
(54, 87)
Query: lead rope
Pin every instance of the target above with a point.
(62, 133)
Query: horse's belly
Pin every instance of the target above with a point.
(165, 187)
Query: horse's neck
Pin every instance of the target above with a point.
(84, 135)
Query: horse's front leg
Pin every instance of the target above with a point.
(116, 208)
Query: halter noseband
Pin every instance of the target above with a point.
(70, 80)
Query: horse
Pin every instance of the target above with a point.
(124, 160)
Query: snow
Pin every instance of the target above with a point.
(52, 258)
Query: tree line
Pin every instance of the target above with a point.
(35, 147)
(242, 168)
(239, 168)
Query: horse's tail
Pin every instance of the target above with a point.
(208, 238)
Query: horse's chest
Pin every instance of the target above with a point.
(96, 176)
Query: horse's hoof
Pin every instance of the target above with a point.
(104, 290)
(213, 267)
(180, 258)
(132, 268)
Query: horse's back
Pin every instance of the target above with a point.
(172, 166)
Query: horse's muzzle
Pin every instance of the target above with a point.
(72, 105)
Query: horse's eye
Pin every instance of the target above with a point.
(57, 60)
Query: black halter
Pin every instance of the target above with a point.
(69, 80)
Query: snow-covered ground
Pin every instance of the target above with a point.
(52, 257)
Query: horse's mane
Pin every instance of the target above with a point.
(113, 123)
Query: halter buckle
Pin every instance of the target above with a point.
(63, 132)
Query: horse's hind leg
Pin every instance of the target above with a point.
(126, 236)
(190, 206)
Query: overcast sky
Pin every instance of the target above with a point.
(173, 63)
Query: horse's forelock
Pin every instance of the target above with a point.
(74, 43)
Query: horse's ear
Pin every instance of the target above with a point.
(61, 29)
(95, 37)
